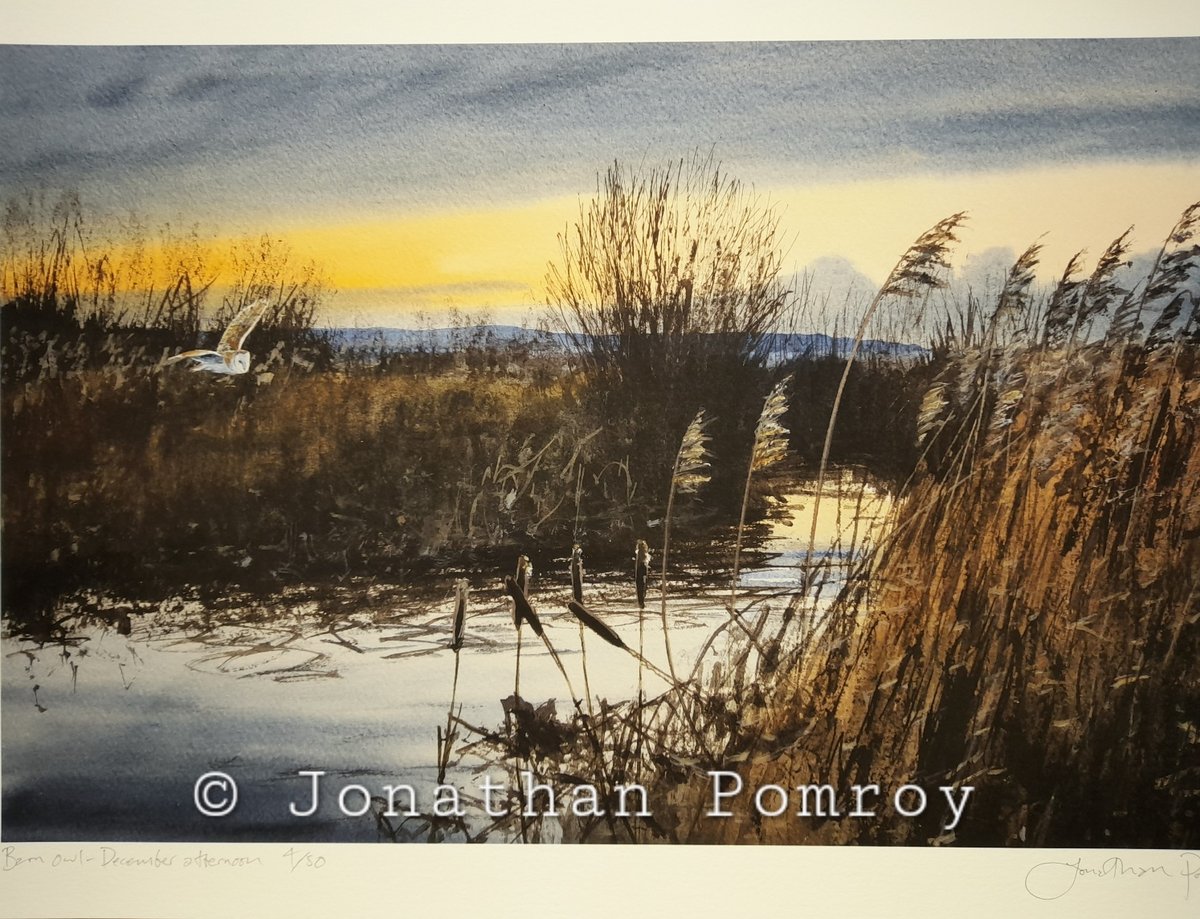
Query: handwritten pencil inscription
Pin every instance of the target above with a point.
(1052, 880)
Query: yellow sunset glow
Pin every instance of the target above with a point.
(500, 247)
(384, 270)
(1080, 207)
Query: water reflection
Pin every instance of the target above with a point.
(106, 731)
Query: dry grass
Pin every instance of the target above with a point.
(287, 471)
(1030, 626)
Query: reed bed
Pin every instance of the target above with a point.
(1028, 626)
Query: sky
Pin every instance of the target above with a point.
(425, 177)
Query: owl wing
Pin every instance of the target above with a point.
(243, 324)
(197, 355)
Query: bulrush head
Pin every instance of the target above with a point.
(577, 573)
(593, 622)
(524, 575)
(522, 611)
(460, 613)
(641, 570)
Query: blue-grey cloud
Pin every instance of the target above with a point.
(116, 93)
(218, 131)
(983, 273)
(835, 278)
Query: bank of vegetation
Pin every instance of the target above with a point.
(327, 460)
(1029, 626)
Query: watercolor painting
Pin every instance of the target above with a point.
(735, 443)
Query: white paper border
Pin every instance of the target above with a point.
(502, 881)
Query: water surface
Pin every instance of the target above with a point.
(105, 734)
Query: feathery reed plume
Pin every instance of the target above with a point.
(1061, 307)
(920, 268)
(691, 472)
(1013, 302)
(1160, 332)
(770, 446)
(1010, 389)
(1125, 323)
(1176, 260)
(917, 272)
(961, 389)
(1101, 289)
(770, 436)
(931, 416)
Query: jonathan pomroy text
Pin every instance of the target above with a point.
(728, 796)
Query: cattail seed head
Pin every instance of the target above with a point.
(592, 622)
(522, 611)
(641, 570)
(460, 613)
(577, 573)
(524, 576)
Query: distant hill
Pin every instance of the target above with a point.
(785, 346)
(780, 346)
(392, 339)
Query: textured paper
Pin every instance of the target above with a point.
(512, 880)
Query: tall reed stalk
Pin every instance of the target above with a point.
(456, 643)
(522, 580)
(770, 446)
(690, 473)
(523, 612)
(577, 594)
(641, 573)
(917, 272)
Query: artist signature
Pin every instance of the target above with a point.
(1052, 880)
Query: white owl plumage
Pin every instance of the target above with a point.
(229, 357)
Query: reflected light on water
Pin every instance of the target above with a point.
(105, 733)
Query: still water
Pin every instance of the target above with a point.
(104, 736)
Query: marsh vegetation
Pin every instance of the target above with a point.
(652, 554)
